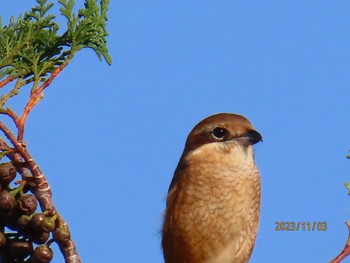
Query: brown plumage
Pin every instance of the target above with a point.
(213, 203)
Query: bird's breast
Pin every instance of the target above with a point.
(216, 204)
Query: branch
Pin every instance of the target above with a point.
(9, 112)
(35, 97)
(32, 50)
(6, 81)
(41, 189)
(3, 146)
(19, 83)
(66, 245)
(39, 184)
(346, 250)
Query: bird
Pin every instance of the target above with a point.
(213, 202)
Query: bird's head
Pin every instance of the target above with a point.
(222, 128)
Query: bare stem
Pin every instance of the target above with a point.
(67, 248)
(346, 251)
(9, 112)
(35, 97)
(6, 81)
(38, 182)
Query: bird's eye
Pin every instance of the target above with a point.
(219, 133)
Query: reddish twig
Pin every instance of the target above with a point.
(35, 97)
(13, 116)
(38, 182)
(9, 112)
(67, 247)
(346, 251)
(6, 81)
(4, 146)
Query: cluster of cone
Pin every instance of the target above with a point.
(25, 234)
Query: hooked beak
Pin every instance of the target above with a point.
(249, 138)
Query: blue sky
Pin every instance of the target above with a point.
(109, 137)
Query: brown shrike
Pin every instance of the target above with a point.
(213, 203)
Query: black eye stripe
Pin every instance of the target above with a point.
(219, 133)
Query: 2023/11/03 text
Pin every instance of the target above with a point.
(300, 226)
